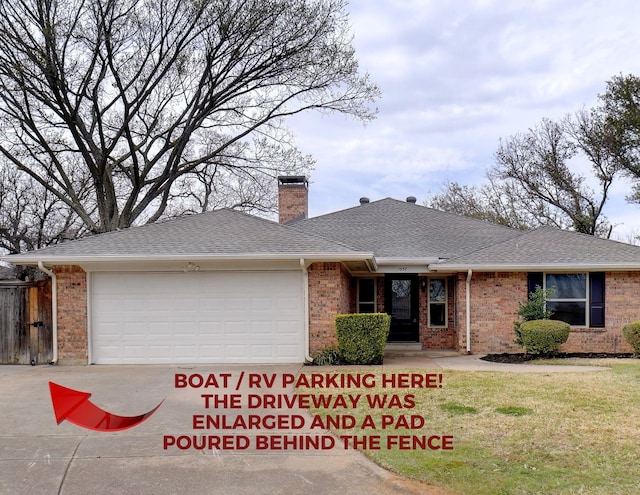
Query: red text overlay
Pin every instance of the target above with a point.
(260, 411)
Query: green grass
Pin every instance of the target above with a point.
(514, 410)
(455, 408)
(521, 433)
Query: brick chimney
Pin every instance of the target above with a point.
(293, 198)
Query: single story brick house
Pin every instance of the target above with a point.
(226, 286)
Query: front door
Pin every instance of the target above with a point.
(401, 302)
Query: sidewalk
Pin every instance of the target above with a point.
(452, 361)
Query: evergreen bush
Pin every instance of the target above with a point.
(543, 336)
(362, 337)
(631, 333)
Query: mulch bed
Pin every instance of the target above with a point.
(523, 358)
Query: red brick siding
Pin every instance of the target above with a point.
(451, 310)
(293, 202)
(72, 314)
(438, 338)
(622, 299)
(494, 307)
(330, 294)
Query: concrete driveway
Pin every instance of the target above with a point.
(38, 456)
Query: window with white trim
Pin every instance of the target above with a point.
(366, 295)
(437, 302)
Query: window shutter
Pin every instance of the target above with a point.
(534, 279)
(596, 300)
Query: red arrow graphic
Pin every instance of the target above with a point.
(75, 407)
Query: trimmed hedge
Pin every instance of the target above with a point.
(543, 336)
(631, 333)
(362, 337)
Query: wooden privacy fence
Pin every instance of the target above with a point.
(26, 335)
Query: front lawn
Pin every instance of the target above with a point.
(524, 433)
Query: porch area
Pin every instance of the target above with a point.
(423, 307)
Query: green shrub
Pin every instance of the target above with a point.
(543, 336)
(631, 333)
(534, 308)
(362, 337)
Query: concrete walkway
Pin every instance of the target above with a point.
(452, 361)
(474, 363)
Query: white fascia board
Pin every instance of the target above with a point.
(372, 264)
(407, 261)
(78, 260)
(587, 267)
(404, 265)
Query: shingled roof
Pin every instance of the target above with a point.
(397, 229)
(219, 233)
(387, 230)
(549, 248)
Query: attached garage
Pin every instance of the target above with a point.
(196, 317)
(216, 287)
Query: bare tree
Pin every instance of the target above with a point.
(129, 110)
(628, 236)
(620, 104)
(30, 216)
(537, 163)
(495, 201)
(532, 182)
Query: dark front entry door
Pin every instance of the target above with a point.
(401, 302)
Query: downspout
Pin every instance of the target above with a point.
(468, 310)
(305, 297)
(54, 309)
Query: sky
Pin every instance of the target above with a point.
(455, 77)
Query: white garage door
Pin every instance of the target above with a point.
(197, 317)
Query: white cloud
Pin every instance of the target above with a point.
(456, 76)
